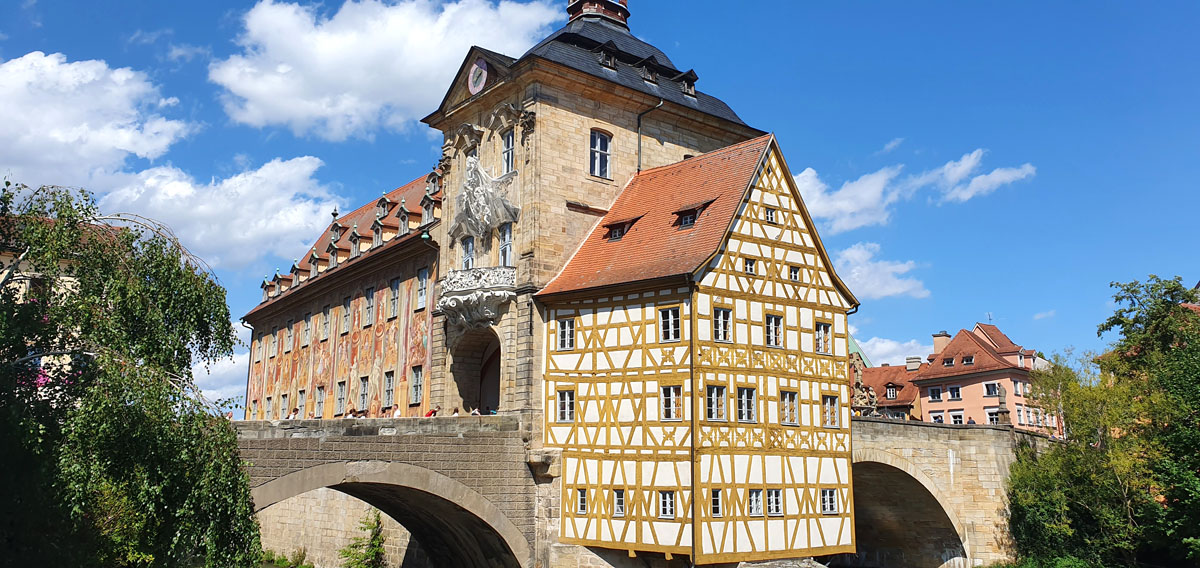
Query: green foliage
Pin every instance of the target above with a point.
(114, 457)
(1123, 489)
(366, 551)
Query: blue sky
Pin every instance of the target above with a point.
(962, 159)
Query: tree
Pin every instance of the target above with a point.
(366, 551)
(113, 458)
(1123, 489)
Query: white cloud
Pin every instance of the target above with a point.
(868, 200)
(869, 278)
(1043, 315)
(67, 122)
(223, 379)
(881, 350)
(186, 52)
(369, 65)
(143, 37)
(891, 145)
(275, 209)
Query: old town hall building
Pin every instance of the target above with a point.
(611, 253)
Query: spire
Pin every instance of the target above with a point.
(615, 10)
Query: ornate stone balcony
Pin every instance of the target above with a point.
(472, 298)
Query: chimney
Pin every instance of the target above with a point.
(614, 10)
(940, 340)
(912, 363)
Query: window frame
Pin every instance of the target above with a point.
(774, 499)
(993, 415)
(890, 392)
(938, 417)
(319, 411)
(339, 401)
(504, 251)
(346, 306)
(829, 501)
(949, 392)
(747, 406)
(672, 322)
(930, 392)
(508, 150)
(831, 414)
(326, 313)
(416, 385)
(794, 273)
(467, 252)
(750, 266)
(368, 306)
(581, 504)
(394, 298)
(565, 406)
(769, 215)
(301, 402)
(671, 407)
(364, 392)
(789, 407)
(389, 389)
(957, 415)
(722, 324)
(754, 503)
(287, 336)
(618, 509)
(422, 287)
(600, 154)
(991, 389)
(666, 504)
(306, 331)
(776, 339)
(823, 337)
(717, 394)
(564, 331)
(716, 507)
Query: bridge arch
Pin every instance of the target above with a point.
(455, 525)
(880, 476)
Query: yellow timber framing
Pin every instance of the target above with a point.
(620, 364)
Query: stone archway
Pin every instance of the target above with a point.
(455, 525)
(475, 370)
(902, 518)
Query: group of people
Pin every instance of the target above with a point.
(399, 413)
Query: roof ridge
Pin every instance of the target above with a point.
(705, 156)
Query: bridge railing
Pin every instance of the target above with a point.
(274, 429)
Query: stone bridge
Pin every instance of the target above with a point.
(467, 488)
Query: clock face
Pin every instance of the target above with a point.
(477, 76)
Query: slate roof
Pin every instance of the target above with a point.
(879, 377)
(966, 343)
(364, 217)
(654, 246)
(573, 44)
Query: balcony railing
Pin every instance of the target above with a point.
(484, 278)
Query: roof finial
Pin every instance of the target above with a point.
(614, 10)
(334, 213)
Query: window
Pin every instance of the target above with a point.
(287, 336)
(426, 211)
(377, 237)
(956, 417)
(955, 392)
(616, 231)
(354, 250)
(320, 410)
(566, 334)
(368, 307)
(306, 331)
(935, 394)
(829, 502)
(283, 407)
(468, 253)
(416, 385)
(722, 322)
(748, 266)
(1017, 388)
(1021, 360)
(333, 256)
(274, 339)
(891, 392)
(381, 208)
(363, 386)
(253, 410)
(618, 502)
(394, 298)
(830, 411)
(258, 348)
(715, 498)
(774, 335)
(325, 313)
(775, 502)
(754, 503)
(270, 409)
(600, 154)
(666, 504)
(991, 389)
(581, 501)
(672, 399)
(993, 415)
(1020, 415)
(339, 403)
(968, 359)
(566, 406)
(505, 232)
(937, 417)
(506, 150)
(788, 409)
(422, 287)
(714, 402)
(669, 324)
(770, 215)
(687, 219)
(821, 339)
(746, 406)
(794, 273)
(948, 362)
(389, 385)
(301, 400)
(345, 315)
(1029, 416)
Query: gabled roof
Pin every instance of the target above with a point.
(1000, 342)
(965, 343)
(879, 378)
(655, 246)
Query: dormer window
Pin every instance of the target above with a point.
(968, 360)
(354, 250)
(648, 74)
(948, 362)
(685, 217)
(687, 82)
(381, 208)
(618, 229)
(377, 237)
(688, 88)
(333, 255)
(891, 392)
(426, 210)
(335, 232)
(606, 54)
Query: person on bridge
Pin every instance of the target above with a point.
(433, 411)
(970, 420)
(454, 412)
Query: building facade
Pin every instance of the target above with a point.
(611, 251)
(896, 396)
(981, 376)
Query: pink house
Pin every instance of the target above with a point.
(967, 374)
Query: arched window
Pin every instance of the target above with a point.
(505, 237)
(601, 144)
(468, 253)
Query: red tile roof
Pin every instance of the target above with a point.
(1193, 307)
(1000, 342)
(965, 343)
(879, 378)
(654, 246)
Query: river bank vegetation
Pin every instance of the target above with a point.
(1124, 488)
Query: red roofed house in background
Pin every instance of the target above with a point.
(978, 375)
(896, 395)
